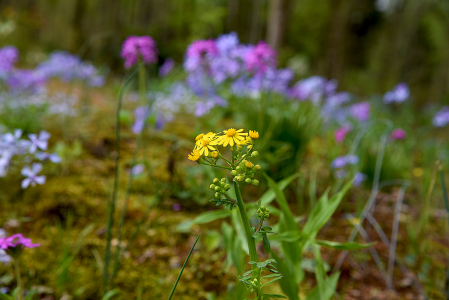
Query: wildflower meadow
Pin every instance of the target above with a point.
(224, 150)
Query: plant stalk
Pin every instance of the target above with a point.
(249, 236)
(18, 278)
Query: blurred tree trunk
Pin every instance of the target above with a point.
(338, 35)
(278, 15)
(255, 33)
(77, 25)
(233, 13)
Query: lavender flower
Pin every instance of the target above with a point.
(141, 113)
(137, 169)
(399, 94)
(134, 46)
(40, 142)
(441, 117)
(166, 67)
(342, 161)
(358, 179)
(4, 258)
(260, 58)
(54, 158)
(32, 177)
(30, 81)
(312, 88)
(360, 111)
(8, 57)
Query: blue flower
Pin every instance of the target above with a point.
(399, 94)
(40, 142)
(342, 161)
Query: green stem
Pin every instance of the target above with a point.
(142, 80)
(18, 279)
(222, 167)
(247, 226)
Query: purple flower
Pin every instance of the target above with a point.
(33, 178)
(47, 156)
(341, 132)
(16, 240)
(137, 169)
(166, 67)
(134, 46)
(399, 94)
(227, 42)
(312, 88)
(358, 179)
(398, 134)
(40, 142)
(176, 207)
(8, 57)
(26, 81)
(4, 258)
(441, 117)
(342, 161)
(141, 114)
(260, 58)
(360, 111)
(199, 54)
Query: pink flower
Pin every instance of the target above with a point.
(341, 132)
(16, 240)
(134, 46)
(260, 58)
(398, 134)
(202, 47)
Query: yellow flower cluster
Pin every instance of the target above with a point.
(205, 144)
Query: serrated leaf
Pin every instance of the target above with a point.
(247, 273)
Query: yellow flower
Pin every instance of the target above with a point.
(230, 137)
(214, 154)
(254, 134)
(203, 146)
(195, 155)
(248, 164)
(200, 138)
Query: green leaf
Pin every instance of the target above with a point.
(269, 195)
(30, 295)
(288, 236)
(276, 279)
(273, 296)
(110, 294)
(323, 211)
(344, 246)
(211, 216)
(331, 284)
(266, 244)
(182, 269)
(272, 276)
(288, 282)
(5, 297)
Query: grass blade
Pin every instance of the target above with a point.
(180, 273)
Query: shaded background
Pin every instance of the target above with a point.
(368, 45)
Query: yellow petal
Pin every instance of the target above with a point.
(231, 142)
(225, 142)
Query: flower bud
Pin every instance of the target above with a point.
(256, 168)
(248, 180)
(250, 175)
(248, 164)
(240, 178)
(217, 195)
(255, 154)
(214, 154)
(234, 172)
(215, 180)
(262, 207)
(255, 182)
(212, 186)
(238, 169)
(217, 188)
(223, 180)
(227, 187)
(250, 147)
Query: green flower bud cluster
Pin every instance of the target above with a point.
(220, 187)
(255, 282)
(263, 212)
(245, 172)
